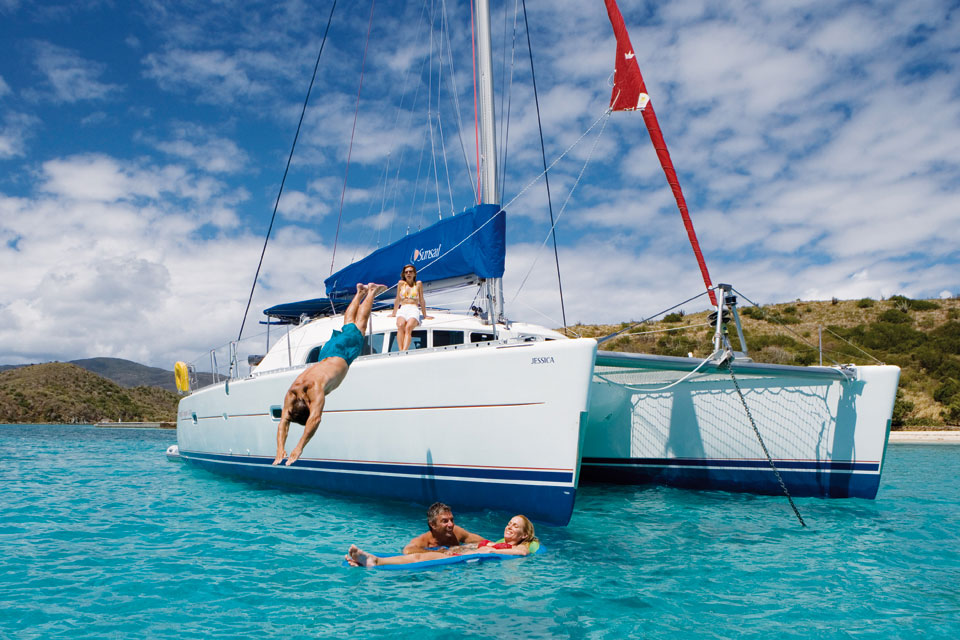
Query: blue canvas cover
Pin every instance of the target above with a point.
(291, 312)
(436, 252)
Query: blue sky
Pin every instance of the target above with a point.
(142, 145)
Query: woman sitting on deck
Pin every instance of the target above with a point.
(517, 537)
(409, 306)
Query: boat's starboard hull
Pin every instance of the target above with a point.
(826, 432)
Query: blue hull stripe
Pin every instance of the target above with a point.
(417, 470)
(549, 504)
(828, 481)
(817, 465)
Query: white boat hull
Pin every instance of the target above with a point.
(826, 434)
(476, 426)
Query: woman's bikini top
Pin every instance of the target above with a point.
(495, 545)
(408, 293)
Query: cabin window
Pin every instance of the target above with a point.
(314, 354)
(373, 344)
(417, 341)
(482, 337)
(444, 338)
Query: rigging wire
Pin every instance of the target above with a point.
(443, 145)
(546, 175)
(367, 236)
(283, 181)
(476, 112)
(396, 126)
(804, 340)
(648, 318)
(505, 130)
(565, 202)
(383, 197)
(869, 355)
(356, 113)
(413, 200)
(522, 191)
(456, 102)
(446, 167)
(576, 142)
(433, 146)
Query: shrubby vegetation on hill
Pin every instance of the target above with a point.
(922, 337)
(62, 392)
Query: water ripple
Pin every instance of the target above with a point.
(101, 536)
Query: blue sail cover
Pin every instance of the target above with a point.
(291, 312)
(436, 252)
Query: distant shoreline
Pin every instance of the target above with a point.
(136, 425)
(943, 436)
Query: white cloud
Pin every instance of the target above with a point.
(107, 267)
(815, 144)
(16, 129)
(219, 76)
(70, 77)
(206, 150)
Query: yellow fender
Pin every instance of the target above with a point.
(182, 376)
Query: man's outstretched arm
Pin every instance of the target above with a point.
(465, 537)
(313, 421)
(284, 427)
(418, 544)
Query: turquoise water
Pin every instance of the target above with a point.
(102, 537)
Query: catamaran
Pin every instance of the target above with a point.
(487, 413)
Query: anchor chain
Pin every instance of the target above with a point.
(762, 445)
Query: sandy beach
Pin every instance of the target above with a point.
(925, 437)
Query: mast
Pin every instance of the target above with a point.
(488, 145)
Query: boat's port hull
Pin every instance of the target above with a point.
(504, 490)
(485, 427)
(825, 432)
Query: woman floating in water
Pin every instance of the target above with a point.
(409, 307)
(517, 537)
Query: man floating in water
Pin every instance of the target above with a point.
(443, 532)
(304, 401)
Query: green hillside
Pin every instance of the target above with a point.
(922, 337)
(127, 373)
(62, 392)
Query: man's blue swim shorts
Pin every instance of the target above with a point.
(346, 344)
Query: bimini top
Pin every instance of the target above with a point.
(292, 312)
(470, 243)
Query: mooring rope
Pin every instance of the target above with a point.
(762, 444)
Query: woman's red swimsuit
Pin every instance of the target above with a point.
(497, 545)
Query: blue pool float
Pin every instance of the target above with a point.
(535, 549)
